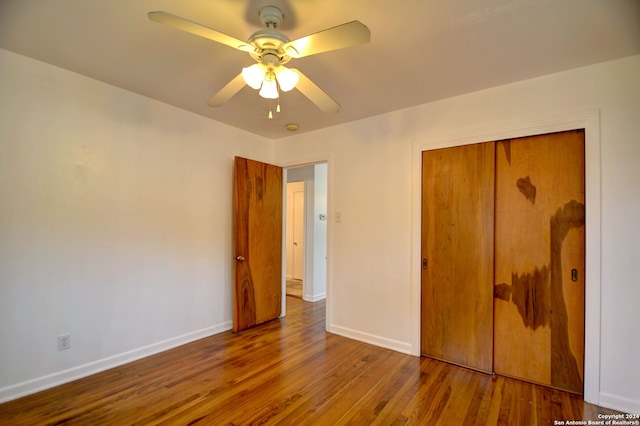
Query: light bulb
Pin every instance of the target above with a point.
(254, 75)
(269, 88)
(286, 78)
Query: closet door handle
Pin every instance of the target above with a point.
(574, 275)
(240, 258)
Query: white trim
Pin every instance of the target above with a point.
(314, 297)
(310, 161)
(372, 339)
(330, 209)
(616, 402)
(588, 120)
(283, 246)
(45, 382)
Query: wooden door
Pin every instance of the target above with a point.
(457, 251)
(539, 259)
(257, 294)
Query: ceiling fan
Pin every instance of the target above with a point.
(271, 50)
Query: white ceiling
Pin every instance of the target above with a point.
(420, 50)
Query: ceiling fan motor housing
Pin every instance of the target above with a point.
(269, 42)
(271, 16)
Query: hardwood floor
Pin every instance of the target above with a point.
(289, 371)
(294, 288)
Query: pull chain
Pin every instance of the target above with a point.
(271, 108)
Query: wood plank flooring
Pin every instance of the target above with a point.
(291, 372)
(294, 288)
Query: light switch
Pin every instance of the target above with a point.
(338, 217)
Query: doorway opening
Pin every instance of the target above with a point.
(305, 239)
(294, 229)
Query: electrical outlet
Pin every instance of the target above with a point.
(64, 342)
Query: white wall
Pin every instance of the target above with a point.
(115, 224)
(371, 278)
(319, 232)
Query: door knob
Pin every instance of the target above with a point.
(240, 258)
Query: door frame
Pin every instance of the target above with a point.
(307, 271)
(588, 120)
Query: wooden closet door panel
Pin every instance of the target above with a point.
(539, 240)
(457, 244)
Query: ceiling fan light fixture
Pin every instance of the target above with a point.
(254, 75)
(286, 78)
(272, 49)
(269, 88)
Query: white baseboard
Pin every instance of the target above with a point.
(45, 382)
(616, 402)
(383, 342)
(314, 297)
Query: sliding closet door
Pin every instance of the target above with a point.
(457, 252)
(539, 259)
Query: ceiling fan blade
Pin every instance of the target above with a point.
(227, 91)
(345, 35)
(199, 30)
(316, 94)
